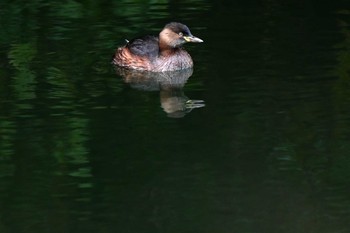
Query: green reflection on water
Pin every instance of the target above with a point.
(80, 151)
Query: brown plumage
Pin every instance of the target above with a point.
(158, 54)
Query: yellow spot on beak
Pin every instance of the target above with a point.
(192, 39)
(188, 39)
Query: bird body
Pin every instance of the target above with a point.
(158, 53)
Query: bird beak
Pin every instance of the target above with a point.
(192, 39)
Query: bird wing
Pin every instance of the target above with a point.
(144, 46)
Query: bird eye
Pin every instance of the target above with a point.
(180, 34)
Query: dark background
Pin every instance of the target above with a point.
(83, 151)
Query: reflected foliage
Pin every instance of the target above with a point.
(82, 149)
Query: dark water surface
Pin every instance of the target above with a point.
(256, 138)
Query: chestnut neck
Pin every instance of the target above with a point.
(166, 50)
(166, 46)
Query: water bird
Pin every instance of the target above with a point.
(158, 53)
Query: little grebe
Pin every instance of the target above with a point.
(158, 54)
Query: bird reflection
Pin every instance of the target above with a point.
(170, 85)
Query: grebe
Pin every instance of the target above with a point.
(158, 53)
